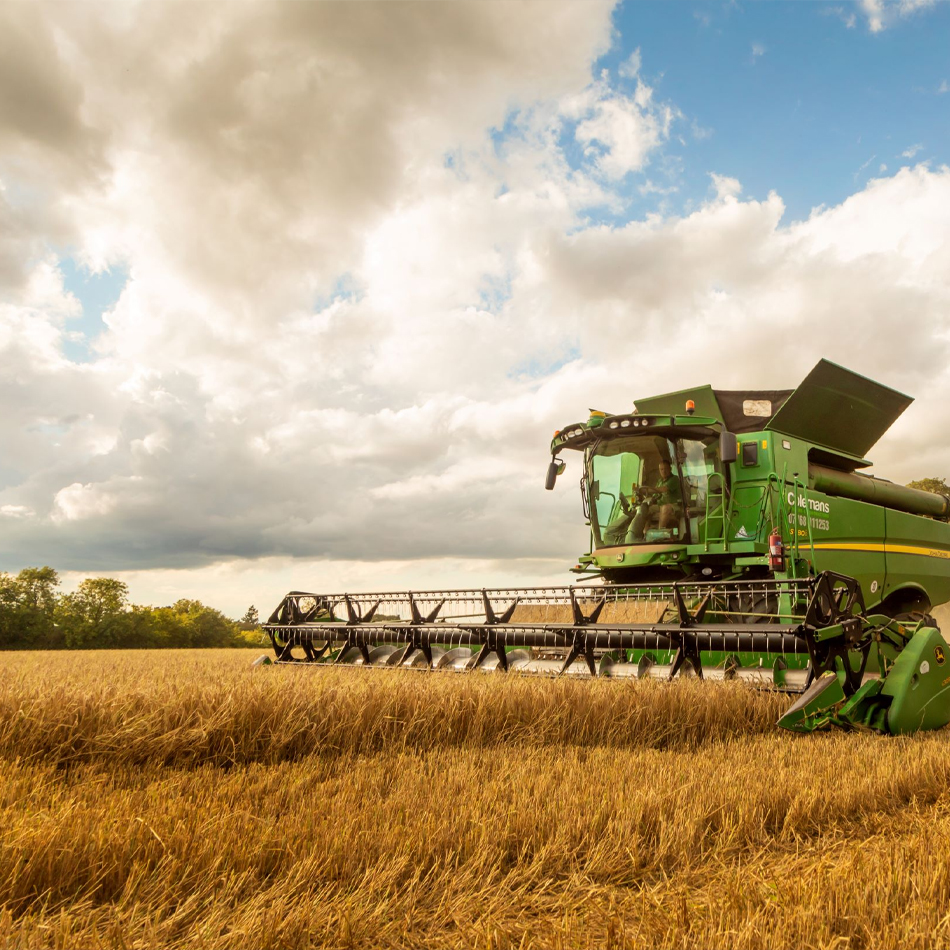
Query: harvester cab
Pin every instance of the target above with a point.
(733, 534)
(767, 483)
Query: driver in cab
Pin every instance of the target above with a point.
(664, 502)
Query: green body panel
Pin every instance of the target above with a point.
(918, 684)
(846, 537)
(918, 555)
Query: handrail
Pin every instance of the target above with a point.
(721, 495)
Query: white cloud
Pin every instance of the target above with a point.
(758, 50)
(652, 188)
(619, 132)
(725, 187)
(15, 511)
(881, 14)
(911, 151)
(354, 317)
(630, 67)
(874, 11)
(77, 502)
(943, 88)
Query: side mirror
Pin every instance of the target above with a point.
(554, 469)
(728, 447)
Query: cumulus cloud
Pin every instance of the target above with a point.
(874, 11)
(619, 132)
(880, 14)
(366, 282)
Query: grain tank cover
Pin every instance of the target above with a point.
(839, 410)
(749, 410)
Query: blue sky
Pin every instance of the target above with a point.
(791, 98)
(98, 292)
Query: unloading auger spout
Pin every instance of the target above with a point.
(733, 535)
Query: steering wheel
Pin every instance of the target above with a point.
(640, 494)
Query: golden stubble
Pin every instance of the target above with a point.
(184, 800)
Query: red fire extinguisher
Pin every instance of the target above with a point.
(776, 551)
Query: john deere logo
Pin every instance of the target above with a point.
(939, 655)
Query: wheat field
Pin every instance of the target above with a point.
(183, 799)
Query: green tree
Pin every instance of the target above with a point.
(27, 605)
(96, 614)
(189, 623)
(936, 485)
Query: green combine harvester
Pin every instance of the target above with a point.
(734, 535)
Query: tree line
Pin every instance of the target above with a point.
(936, 485)
(36, 615)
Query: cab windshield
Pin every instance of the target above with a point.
(651, 489)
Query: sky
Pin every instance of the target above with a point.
(293, 296)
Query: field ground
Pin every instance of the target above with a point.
(182, 799)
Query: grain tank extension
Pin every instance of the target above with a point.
(732, 535)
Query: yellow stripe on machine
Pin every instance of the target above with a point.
(882, 548)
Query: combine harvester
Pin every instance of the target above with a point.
(733, 535)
